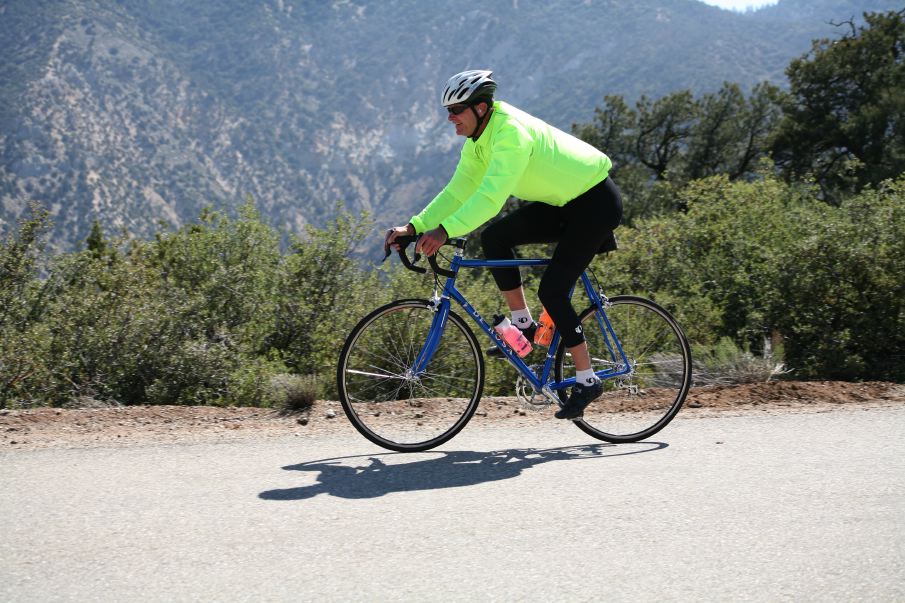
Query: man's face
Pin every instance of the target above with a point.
(465, 121)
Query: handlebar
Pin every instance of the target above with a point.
(406, 240)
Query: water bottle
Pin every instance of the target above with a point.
(545, 327)
(512, 335)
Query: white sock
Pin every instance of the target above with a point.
(522, 318)
(586, 377)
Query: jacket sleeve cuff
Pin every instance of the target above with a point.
(454, 228)
(418, 224)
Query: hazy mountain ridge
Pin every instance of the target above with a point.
(133, 113)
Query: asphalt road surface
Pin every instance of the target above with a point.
(744, 507)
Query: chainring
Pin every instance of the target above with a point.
(525, 393)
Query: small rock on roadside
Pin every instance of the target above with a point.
(330, 414)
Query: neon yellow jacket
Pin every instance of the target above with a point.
(518, 155)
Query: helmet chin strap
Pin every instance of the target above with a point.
(479, 121)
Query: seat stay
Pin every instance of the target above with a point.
(613, 346)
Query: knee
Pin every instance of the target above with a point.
(491, 243)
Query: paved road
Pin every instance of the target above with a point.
(757, 507)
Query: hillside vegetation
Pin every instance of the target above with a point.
(215, 314)
(797, 259)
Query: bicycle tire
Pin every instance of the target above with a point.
(394, 409)
(637, 406)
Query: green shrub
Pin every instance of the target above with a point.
(764, 259)
(215, 313)
(323, 291)
(224, 272)
(716, 265)
(167, 322)
(22, 300)
(841, 291)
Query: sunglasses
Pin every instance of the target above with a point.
(456, 109)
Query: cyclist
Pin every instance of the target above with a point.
(574, 204)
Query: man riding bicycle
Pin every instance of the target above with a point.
(573, 204)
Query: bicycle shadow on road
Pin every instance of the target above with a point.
(344, 478)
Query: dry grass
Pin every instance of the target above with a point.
(294, 393)
(726, 364)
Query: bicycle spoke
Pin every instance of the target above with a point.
(637, 403)
(374, 374)
(390, 404)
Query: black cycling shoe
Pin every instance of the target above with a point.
(495, 352)
(582, 395)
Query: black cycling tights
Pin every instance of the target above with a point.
(581, 228)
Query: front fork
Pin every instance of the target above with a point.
(440, 307)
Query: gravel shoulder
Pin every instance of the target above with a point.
(137, 425)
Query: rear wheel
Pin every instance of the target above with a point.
(382, 397)
(640, 403)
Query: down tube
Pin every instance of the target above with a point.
(517, 362)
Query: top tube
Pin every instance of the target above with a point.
(502, 263)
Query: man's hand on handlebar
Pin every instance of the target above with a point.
(397, 231)
(427, 244)
(431, 241)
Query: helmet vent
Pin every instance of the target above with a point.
(465, 86)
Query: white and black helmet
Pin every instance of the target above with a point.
(468, 85)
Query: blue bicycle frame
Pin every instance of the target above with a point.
(540, 383)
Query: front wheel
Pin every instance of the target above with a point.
(386, 401)
(651, 351)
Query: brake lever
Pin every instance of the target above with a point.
(404, 242)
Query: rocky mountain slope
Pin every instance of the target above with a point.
(133, 113)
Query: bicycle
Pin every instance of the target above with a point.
(411, 373)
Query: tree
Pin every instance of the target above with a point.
(659, 146)
(663, 128)
(730, 132)
(323, 293)
(612, 130)
(756, 122)
(844, 119)
(18, 264)
(22, 300)
(96, 242)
